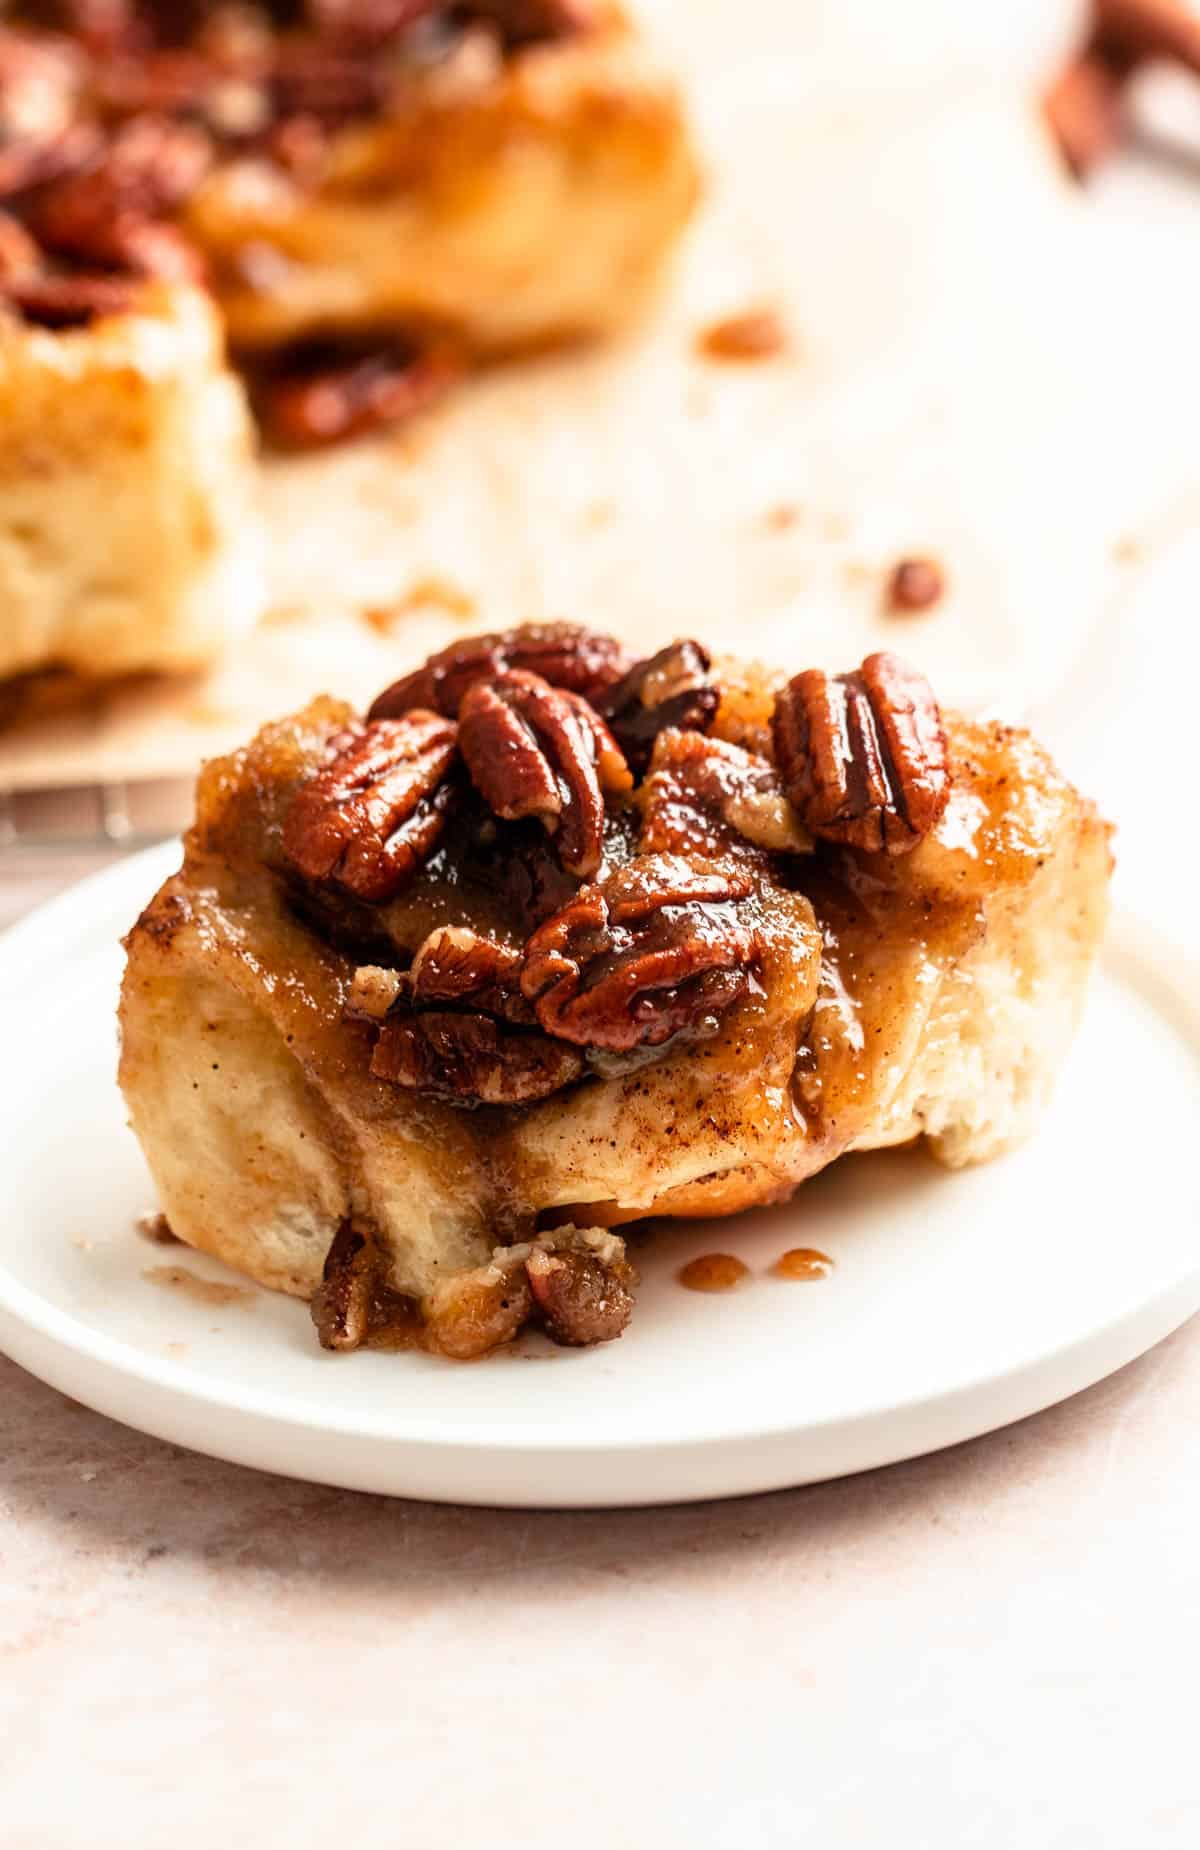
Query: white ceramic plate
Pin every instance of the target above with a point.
(958, 1301)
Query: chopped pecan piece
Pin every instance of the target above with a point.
(466, 1033)
(537, 750)
(582, 1299)
(576, 1282)
(672, 688)
(374, 991)
(456, 966)
(703, 797)
(341, 1304)
(372, 815)
(863, 755)
(323, 392)
(472, 1059)
(564, 654)
(474, 1312)
(659, 949)
(915, 584)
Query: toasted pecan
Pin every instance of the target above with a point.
(370, 817)
(537, 750)
(863, 755)
(672, 688)
(566, 654)
(659, 949)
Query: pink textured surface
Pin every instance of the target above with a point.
(988, 1647)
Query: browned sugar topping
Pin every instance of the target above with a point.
(596, 858)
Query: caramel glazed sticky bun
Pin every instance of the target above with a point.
(373, 192)
(552, 941)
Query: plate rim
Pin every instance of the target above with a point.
(1137, 955)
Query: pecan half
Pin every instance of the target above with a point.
(658, 949)
(341, 1304)
(537, 750)
(582, 1299)
(863, 755)
(324, 392)
(672, 688)
(458, 966)
(472, 1059)
(703, 797)
(373, 814)
(565, 654)
(463, 1031)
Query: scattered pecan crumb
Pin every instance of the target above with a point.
(755, 334)
(915, 584)
(203, 1290)
(373, 991)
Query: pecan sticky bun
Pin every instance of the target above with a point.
(308, 161)
(556, 940)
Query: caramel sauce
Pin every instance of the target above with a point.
(803, 1262)
(203, 1290)
(713, 1272)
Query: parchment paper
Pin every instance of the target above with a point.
(937, 395)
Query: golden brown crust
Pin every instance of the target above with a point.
(532, 207)
(126, 543)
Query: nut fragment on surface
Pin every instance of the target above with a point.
(755, 334)
(463, 1031)
(576, 1282)
(660, 948)
(475, 1312)
(915, 584)
(863, 755)
(537, 750)
(456, 965)
(565, 654)
(341, 1305)
(672, 688)
(705, 797)
(472, 1059)
(581, 1299)
(370, 818)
